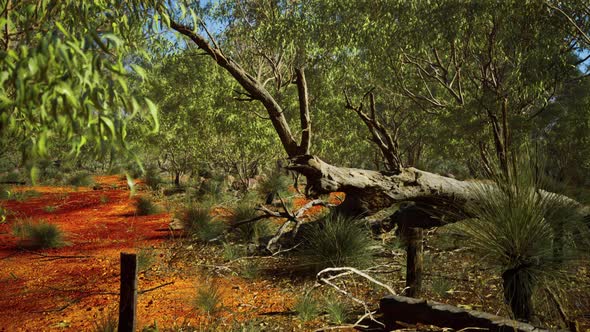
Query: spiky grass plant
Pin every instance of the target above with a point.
(5, 192)
(208, 298)
(307, 307)
(152, 178)
(251, 231)
(273, 185)
(145, 259)
(232, 252)
(337, 240)
(80, 179)
(144, 206)
(107, 323)
(526, 233)
(38, 234)
(441, 286)
(213, 190)
(200, 225)
(336, 310)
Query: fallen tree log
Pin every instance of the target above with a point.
(436, 199)
(411, 310)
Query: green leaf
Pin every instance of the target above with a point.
(139, 70)
(153, 109)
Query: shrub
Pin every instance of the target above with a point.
(250, 269)
(13, 177)
(5, 192)
(212, 190)
(104, 199)
(527, 234)
(80, 179)
(336, 310)
(306, 307)
(274, 185)
(145, 207)
(50, 208)
(145, 259)
(152, 178)
(38, 235)
(24, 195)
(337, 240)
(200, 225)
(208, 298)
(107, 323)
(441, 287)
(252, 231)
(232, 252)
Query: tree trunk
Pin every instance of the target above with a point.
(177, 179)
(413, 239)
(518, 292)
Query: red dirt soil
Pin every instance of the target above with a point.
(71, 288)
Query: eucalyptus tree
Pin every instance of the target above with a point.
(202, 127)
(472, 62)
(65, 72)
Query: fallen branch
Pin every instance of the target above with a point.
(154, 288)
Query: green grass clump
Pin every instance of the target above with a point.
(274, 185)
(152, 178)
(250, 269)
(104, 199)
(337, 240)
(252, 231)
(208, 298)
(12, 177)
(5, 192)
(307, 307)
(200, 224)
(441, 287)
(232, 252)
(23, 195)
(38, 234)
(107, 323)
(145, 207)
(50, 208)
(212, 190)
(336, 310)
(80, 179)
(145, 259)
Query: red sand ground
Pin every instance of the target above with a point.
(70, 288)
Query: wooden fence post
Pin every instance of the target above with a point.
(128, 293)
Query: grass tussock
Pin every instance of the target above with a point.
(208, 298)
(152, 178)
(336, 310)
(251, 231)
(337, 240)
(307, 307)
(144, 206)
(38, 235)
(200, 225)
(80, 179)
(274, 185)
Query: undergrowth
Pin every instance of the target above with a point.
(38, 234)
(337, 240)
(144, 206)
(200, 225)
